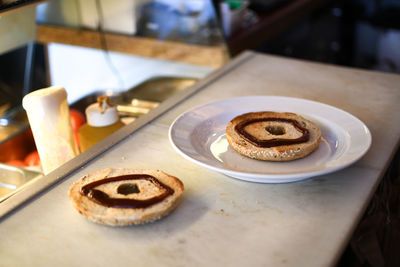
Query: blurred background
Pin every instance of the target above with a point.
(56, 41)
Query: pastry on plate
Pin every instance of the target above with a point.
(125, 196)
(273, 136)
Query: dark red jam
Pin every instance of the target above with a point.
(104, 199)
(240, 128)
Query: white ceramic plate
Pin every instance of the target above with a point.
(199, 136)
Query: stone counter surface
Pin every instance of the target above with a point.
(222, 221)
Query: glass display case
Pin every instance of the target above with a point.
(134, 52)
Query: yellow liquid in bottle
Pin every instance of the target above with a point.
(89, 135)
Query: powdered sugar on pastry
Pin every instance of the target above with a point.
(273, 136)
(126, 196)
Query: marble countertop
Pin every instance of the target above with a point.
(223, 221)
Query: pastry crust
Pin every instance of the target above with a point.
(273, 129)
(115, 216)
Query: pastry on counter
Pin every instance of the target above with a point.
(126, 196)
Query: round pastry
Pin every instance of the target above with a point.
(273, 136)
(125, 196)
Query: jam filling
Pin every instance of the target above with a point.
(104, 199)
(240, 128)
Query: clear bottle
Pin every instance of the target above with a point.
(102, 120)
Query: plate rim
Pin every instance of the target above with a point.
(271, 178)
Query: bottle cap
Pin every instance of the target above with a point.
(102, 113)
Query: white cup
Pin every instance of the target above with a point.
(49, 118)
